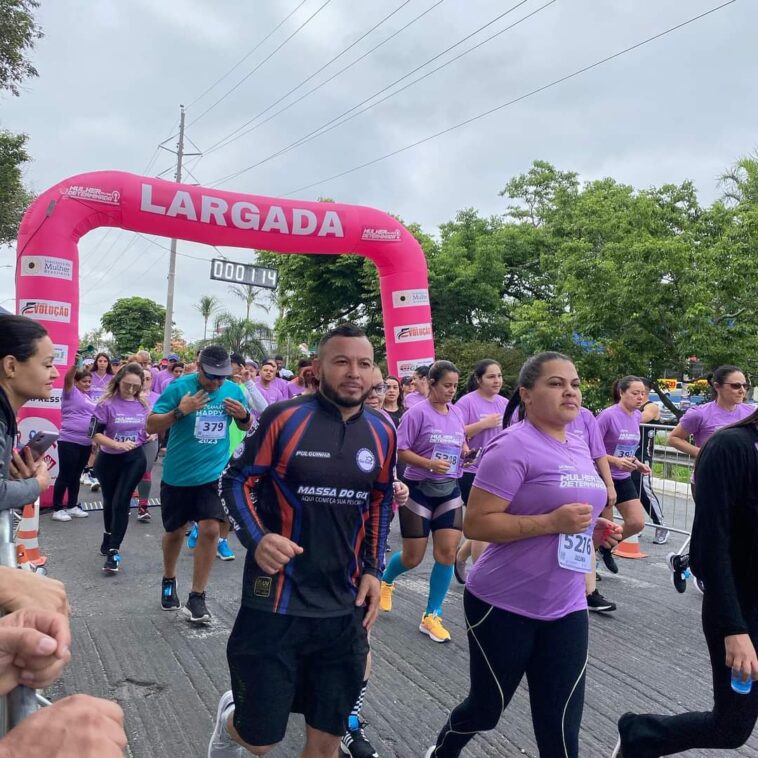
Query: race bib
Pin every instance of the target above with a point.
(125, 437)
(210, 427)
(449, 453)
(575, 552)
(625, 450)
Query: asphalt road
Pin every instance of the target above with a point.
(167, 675)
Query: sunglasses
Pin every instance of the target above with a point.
(738, 385)
(130, 386)
(214, 377)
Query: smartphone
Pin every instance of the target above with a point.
(41, 442)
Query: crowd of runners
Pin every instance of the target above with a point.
(309, 467)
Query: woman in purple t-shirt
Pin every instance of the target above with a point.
(74, 444)
(536, 499)
(150, 449)
(620, 428)
(102, 373)
(118, 427)
(702, 421)
(482, 408)
(431, 440)
(419, 387)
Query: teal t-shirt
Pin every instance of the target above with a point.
(198, 445)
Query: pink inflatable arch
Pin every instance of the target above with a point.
(47, 271)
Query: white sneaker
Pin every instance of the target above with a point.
(661, 536)
(221, 744)
(84, 478)
(61, 515)
(93, 483)
(430, 753)
(76, 512)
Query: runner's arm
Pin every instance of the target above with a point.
(679, 440)
(380, 514)
(254, 397)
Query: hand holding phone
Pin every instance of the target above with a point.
(40, 443)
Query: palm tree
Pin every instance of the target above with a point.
(240, 335)
(249, 296)
(207, 305)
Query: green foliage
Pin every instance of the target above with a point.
(18, 33)
(134, 321)
(207, 306)
(14, 199)
(239, 335)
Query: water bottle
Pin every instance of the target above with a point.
(740, 687)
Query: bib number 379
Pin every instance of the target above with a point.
(575, 552)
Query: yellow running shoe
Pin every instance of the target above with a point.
(431, 624)
(385, 601)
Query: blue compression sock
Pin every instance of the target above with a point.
(439, 583)
(394, 568)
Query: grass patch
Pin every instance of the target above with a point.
(672, 471)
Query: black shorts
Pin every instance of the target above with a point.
(423, 513)
(625, 490)
(283, 664)
(465, 483)
(182, 504)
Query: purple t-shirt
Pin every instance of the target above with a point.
(162, 380)
(124, 420)
(585, 427)
(294, 389)
(431, 434)
(272, 393)
(474, 407)
(537, 474)
(99, 384)
(703, 421)
(413, 398)
(152, 399)
(77, 408)
(621, 435)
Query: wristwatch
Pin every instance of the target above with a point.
(178, 413)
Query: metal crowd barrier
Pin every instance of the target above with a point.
(22, 701)
(667, 493)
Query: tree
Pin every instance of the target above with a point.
(18, 33)
(14, 199)
(207, 306)
(241, 336)
(250, 296)
(134, 323)
(99, 340)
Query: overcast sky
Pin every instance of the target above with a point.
(113, 74)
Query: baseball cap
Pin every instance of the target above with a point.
(172, 357)
(215, 360)
(251, 362)
(285, 373)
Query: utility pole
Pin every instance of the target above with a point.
(172, 258)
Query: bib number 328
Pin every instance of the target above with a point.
(575, 552)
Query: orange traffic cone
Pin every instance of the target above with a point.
(629, 548)
(27, 537)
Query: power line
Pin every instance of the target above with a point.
(218, 144)
(267, 58)
(247, 55)
(500, 107)
(326, 127)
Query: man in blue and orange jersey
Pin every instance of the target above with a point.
(309, 493)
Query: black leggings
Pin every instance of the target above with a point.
(118, 475)
(72, 458)
(504, 646)
(727, 727)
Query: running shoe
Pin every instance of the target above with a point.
(459, 568)
(77, 512)
(355, 743)
(105, 544)
(94, 485)
(430, 753)
(431, 625)
(112, 562)
(195, 609)
(609, 560)
(617, 749)
(699, 584)
(223, 551)
(192, 537)
(143, 514)
(679, 565)
(84, 478)
(221, 745)
(661, 536)
(169, 598)
(385, 599)
(61, 515)
(597, 603)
